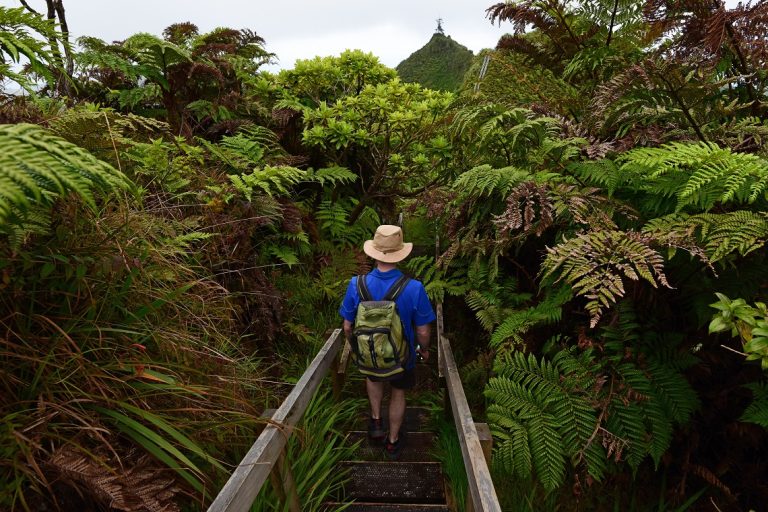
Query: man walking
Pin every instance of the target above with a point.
(412, 305)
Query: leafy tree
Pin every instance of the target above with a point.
(388, 135)
(328, 79)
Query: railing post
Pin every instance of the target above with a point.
(282, 480)
(486, 443)
(339, 370)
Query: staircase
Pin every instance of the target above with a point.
(413, 483)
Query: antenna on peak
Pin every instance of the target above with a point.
(439, 29)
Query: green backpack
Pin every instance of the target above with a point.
(379, 346)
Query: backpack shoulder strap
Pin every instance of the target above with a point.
(362, 288)
(397, 288)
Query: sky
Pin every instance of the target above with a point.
(295, 29)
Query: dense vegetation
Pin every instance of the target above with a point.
(177, 227)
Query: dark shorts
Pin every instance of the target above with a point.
(405, 381)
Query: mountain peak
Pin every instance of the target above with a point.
(440, 64)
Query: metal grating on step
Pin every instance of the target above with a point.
(380, 507)
(417, 448)
(395, 482)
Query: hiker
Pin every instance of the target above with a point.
(387, 352)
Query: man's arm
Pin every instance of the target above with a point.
(422, 337)
(347, 328)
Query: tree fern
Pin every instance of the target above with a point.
(36, 167)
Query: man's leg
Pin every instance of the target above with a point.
(375, 394)
(396, 413)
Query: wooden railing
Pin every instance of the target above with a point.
(474, 438)
(266, 458)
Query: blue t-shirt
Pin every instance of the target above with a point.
(412, 305)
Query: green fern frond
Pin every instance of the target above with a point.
(484, 181)
(547, 451)
(627, 422)
(719, 234)
(269, 180)
(17, 44)
(36, 167)
(698, 175)
(331, 176)
(757, 411)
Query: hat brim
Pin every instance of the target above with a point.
(387, 257)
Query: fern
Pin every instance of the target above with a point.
(698, 175)
(619, 404)
(757, 411)
(271, 181)
(720, 234)
(484, 181)
(435, 280)
(17, 43)
(331, 176)
(559, 421)
(595, 263)
(516, 323)
(334, 222)
(36, 167)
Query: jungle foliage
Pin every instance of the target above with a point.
(178, 226)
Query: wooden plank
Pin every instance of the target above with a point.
(240, 491)
(481, 488)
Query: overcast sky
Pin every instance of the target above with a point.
(295, 29)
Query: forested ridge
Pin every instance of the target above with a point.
(178, 226)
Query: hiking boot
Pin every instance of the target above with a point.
(376, 430)
(393, 449)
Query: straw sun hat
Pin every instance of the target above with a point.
(387, 245)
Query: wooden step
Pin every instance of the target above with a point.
(416, 419)
(381, 507)
(417, 448)
(395, 482)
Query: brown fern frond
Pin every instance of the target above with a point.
(520, 14)
(714, 30)
(134, 487)
(708, 476)
(523, 203)
(595, 263)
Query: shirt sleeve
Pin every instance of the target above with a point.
(348, 309)
(424, 312)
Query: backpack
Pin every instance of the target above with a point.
(379, 346)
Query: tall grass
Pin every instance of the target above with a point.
(314, 453)
(118, 357)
